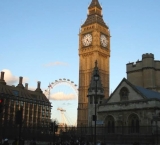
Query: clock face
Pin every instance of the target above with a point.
(87, 39)
(104, 41)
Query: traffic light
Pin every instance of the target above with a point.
(51, 127)
(18, 117)
(1, 105)
(94, 118)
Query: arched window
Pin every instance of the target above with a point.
(124, 94)
(133, 123)
(110, 123)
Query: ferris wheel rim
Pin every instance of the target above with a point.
(56, 82)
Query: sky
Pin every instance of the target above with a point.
(39, 41)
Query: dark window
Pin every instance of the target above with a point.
(134, 123)
(15, 92)
(124, 94)
(110, 124)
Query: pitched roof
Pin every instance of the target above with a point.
(145, 93)
(95, 16)
(148, 93)
(94, 19)
(4, 89)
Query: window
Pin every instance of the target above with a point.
(110, 123)
(134, 123)
(15, 92)
(124, 94)
(22, 103)
(17, 102)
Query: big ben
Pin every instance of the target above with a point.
(94, 45)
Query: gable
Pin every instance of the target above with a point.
(131, 96)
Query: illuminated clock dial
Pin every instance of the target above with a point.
(87, 39)
(104, 41)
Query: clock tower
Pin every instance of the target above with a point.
(94, 44)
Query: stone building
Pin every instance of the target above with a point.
(36, 107)
(145, 73)
(132, 112)
(136, 100)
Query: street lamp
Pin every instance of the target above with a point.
(96, 78)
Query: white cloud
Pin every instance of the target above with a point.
(10, 79)
(62, 96)
(57, 63)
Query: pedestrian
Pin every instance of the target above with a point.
(15, 142)
(6, 142)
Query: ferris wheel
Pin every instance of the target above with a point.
(68, 82)
(69, 105)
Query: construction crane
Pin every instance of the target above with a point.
(63, 119)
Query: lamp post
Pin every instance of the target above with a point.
(96, 78)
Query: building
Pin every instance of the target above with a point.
(36, 108)
(94, 44)
(133, 109)
(145, 73)
(132, 112)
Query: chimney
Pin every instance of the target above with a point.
(26, 86)
(38, 84)
(38, 87)
(20, 83)
(20, 80)
(2, 75)
(2, 78)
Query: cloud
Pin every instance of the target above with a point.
(57, 63)
(61, 96)
(10, 79)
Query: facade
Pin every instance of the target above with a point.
(94, 44)
(36, 107)
(130, 105)
(132, 112)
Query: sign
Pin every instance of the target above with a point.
(98, 122)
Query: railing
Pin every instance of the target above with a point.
(118, 135)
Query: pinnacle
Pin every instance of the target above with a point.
(95, 3)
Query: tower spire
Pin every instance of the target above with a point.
(95, 3)
(94, 14)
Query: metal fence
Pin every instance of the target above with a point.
(117, 135)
